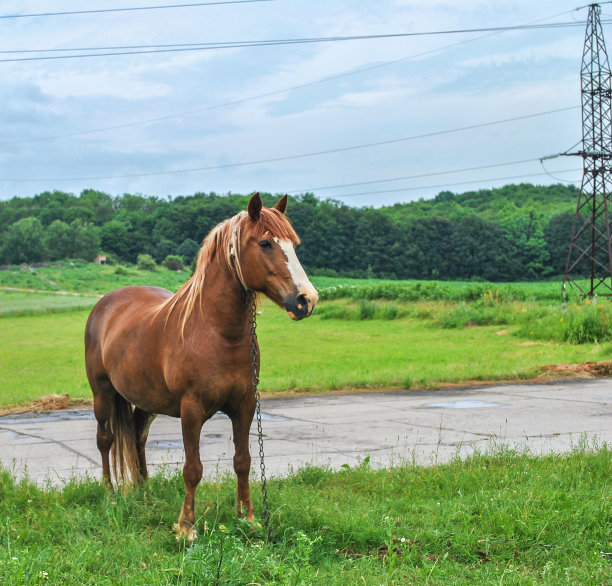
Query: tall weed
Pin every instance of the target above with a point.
(364, 310)
(586, 323)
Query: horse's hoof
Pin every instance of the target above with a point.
(188, 533)
(251, 524)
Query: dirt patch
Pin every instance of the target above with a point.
(582, 370)
(46, 403)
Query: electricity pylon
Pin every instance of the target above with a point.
(589, 261)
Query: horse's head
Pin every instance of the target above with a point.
(267, 259)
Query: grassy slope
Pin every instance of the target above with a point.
(502, 518)
(89, 278)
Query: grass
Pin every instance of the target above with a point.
(353, 341)
(499, 517)
(43, 354)
(29, 303)
(81, 277)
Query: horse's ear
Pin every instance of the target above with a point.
(281, 204)
(255, 205)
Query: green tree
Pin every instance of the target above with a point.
(23, 241)
(86, 244)
(188, 250)
(59, 240)
(162, 249)
(116, 238)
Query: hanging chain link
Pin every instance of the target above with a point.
(252, 301)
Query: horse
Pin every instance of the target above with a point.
(188, 354)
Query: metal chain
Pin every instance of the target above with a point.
(251, 300)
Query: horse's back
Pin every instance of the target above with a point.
(124, 305)
(120, 316)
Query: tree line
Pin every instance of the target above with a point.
(518, 232)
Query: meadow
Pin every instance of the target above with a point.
(365, 334)
(500, 517)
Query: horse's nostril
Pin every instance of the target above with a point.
(302, 301)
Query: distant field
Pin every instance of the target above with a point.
(365, 334)
(90, 278)
(28, 303)
(43, 354)
(81, 277)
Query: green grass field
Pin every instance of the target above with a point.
(33, 303)
(502, 332)
(497, 518)
(81, 277)
(43, 354)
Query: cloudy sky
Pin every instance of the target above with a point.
(368, 122)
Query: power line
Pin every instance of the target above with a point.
(301, 155)
(151, 49)
(408, 177)
(266, 94)
(250, 98)
(129, 9)
(297, 40)
(423, 187)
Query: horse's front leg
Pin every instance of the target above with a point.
(192, 419)
(241, 424)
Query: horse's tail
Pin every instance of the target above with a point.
(124, 451)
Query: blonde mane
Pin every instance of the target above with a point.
(223, 243)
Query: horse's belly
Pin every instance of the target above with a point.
(134, 367)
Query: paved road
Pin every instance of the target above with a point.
(420, 427)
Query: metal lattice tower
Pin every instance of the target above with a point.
(589, 262)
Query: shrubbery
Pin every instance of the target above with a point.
(146, 262)
(173, 262)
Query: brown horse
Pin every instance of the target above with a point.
(188, 355)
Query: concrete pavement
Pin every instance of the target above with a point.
(425, 427)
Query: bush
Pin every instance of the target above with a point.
(173, 262)
(146, 262)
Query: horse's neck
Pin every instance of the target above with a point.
(222, 304)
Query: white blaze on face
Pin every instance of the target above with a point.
(300, 279)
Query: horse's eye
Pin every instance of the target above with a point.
(265, 244)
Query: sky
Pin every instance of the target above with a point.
(367, 122)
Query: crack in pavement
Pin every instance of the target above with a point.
(46, 440)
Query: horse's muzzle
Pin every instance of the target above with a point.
(301, 305)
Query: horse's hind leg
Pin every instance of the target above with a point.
(142, 422)
(103, 408)
(241, 425)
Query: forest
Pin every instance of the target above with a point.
(513, 233)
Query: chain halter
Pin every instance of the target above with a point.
(251, 300)
(252, 303)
